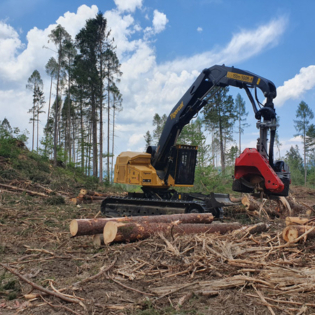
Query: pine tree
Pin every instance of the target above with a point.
(302, 126)
(219, 117)
(58, 36)
(241, 117)
(35, 84)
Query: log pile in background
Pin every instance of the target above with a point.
(297, 227)
(87, 196)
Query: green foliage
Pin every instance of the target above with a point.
(295, 162)
(159, 123)
(210, 179)
(148, 139)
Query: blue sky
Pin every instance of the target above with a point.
(163, 45)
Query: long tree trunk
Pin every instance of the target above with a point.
(101, 121)
(108, 125)
(128, 232)
(112, 162)
(94, 133)
(80, 227)
(56, 109)
(69, 115)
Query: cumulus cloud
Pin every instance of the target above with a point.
(158, 24)
(159, 21)
(17, 64)
(243, 45)
(147, 87)
(199, 29)
(128, 5)
(295, 87)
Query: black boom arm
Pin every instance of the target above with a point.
(194, 100)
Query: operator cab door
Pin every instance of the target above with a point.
(185, 164)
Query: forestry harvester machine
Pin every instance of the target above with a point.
(169, 165)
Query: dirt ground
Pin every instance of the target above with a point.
(196, 274)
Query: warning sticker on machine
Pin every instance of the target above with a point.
(240, 77)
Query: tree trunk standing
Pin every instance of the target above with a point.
(94, 132)
(73, 138)
(37, 129)
(101, 120)
(51, 82)
(57, 103)
(221, 144)
(82, 132)
(69, 114)
(112, 163)
(239, 130)
(33, 135)
(305, 168)
(108, 123)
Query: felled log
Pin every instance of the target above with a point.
(292, 232)
(80, 227)
(88, 197)
(29, 192)
(250, 203)
(127, 232)
(92, 193)
(296, 221)
(295, 206)
(251, 229)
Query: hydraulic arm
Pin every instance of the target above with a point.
(170, 164)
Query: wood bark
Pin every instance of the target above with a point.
(295, 206)
(296, 221)
(292, 232)
(128, 232)
(80, 227)
(250, 203)
(251, 229)
(92, 193)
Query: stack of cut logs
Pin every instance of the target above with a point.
(298, 229)
(87, 196)
(128, 229)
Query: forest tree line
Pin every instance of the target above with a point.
(83, 95)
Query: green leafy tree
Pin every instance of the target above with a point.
(295, 162)
(302, 125)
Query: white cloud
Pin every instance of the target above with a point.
(159, 21)
(243, 45)
(128, 5)
(295, 87)
(199, 29)
(147, 87)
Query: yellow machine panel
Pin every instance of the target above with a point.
(135, 168)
